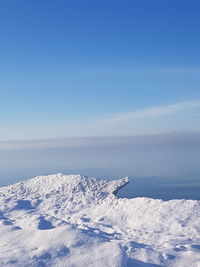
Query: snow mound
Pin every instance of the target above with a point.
(70, 220)
(62, 246)
(58, 191)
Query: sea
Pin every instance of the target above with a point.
(164, 168)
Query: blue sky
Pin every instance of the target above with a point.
(69, 67)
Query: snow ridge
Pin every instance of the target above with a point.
(70, 220)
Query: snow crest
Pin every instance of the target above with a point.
(70, 220)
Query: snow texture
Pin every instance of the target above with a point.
(60, 220)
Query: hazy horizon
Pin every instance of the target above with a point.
(162, 166)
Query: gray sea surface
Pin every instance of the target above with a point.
(159, 167)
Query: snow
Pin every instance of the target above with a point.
(70, 220)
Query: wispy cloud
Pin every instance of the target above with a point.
(152, 112)
(179, 117)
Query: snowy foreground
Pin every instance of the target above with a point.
(60, 220)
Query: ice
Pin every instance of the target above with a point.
(70, 220)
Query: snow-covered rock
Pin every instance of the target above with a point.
(60, 220)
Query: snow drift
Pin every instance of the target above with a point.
(60, 220)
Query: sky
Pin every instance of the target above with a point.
(98, 68)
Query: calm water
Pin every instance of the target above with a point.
(164, 169)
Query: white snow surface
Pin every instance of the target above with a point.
(70, 220)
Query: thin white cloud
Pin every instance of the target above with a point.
(152, 112)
